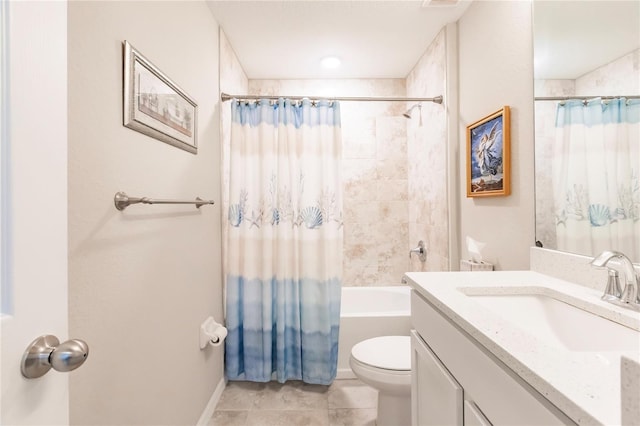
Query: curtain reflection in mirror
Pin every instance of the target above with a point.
(595, 169)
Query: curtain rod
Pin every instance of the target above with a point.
(225, 97)
(566, 98)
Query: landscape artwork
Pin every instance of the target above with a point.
(155, 106)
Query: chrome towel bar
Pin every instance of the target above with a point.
(122, 201)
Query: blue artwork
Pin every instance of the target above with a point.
(487, 156)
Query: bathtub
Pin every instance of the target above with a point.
(367, 312)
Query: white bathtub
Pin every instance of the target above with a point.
(367, 312)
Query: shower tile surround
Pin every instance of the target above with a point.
(427, 157)
(393, 169)
(374, 175)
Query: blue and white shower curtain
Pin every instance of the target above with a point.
(596, 168)
(284, 245)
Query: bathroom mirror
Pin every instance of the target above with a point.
(5, 293)
(585, 49)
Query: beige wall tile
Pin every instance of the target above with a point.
(426, 152)
(382, 182)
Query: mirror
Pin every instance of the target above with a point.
(587, 201)
(5, 294)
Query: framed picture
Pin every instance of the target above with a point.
(155, 105)
(488, 156)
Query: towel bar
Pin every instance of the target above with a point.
(122, 201)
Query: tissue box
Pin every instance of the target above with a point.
(470, 265)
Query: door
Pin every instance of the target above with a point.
(436, 396)
(473, 416)
(34, 205)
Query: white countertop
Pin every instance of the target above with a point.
(584, 385)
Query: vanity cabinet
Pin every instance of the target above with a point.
(457, 381)
(437, 397)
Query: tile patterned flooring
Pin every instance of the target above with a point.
(344, 403)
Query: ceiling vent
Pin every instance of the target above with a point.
(439, 3)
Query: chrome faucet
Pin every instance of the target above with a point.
(629, 297)
(421, 251)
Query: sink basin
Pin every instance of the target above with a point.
(560, 323)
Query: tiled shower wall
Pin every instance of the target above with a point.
(374, 173)
(394, 186)
(427, 160)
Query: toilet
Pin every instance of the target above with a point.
(384, 363)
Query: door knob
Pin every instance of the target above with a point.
(46, 352)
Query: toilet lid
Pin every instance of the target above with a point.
(386, 352)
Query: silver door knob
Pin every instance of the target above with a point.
(46, 352)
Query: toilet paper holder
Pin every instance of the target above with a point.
(212, 333)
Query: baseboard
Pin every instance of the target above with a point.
(345, 373)
(211, 405)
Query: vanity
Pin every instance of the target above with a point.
(518, 348)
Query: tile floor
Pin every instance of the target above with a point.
(344, 403)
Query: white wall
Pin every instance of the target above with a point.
(141, 281)
(496, 69)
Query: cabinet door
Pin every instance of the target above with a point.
(436, 397)
(473, 416)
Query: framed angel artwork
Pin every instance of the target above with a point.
(488, 155)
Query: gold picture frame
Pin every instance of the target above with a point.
(489, 155)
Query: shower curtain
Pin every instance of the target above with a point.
(596, 166)
(284, 244)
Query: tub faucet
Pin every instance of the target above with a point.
(630, 298)
(421, 251)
